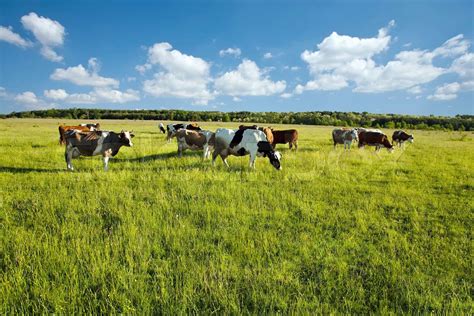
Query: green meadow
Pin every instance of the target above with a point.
(334, 232)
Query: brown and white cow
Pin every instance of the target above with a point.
(64, 128)
(173, 128)
(95, 143)
(344, 136)
(195, 140)
(289, 136)
(377, 139)
(400, 137)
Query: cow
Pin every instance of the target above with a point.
(195, 140)
(95, 143)
(91, 126)
(344, 136)
(162, 128)
(173, 128)
(252, 142)
(376, 139)
(400, 137)
(289, 136)
(64, 128)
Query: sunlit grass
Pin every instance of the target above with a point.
(334, 231)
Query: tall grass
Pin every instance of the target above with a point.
(333, 232)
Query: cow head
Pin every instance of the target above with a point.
(355, 134)
(267, 150)
(126, 138)
(411, 139)
(386, 144)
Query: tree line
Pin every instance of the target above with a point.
(364, 119)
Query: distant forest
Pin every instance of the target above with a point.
(364, 119)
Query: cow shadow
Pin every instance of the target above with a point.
(153, 157)
(28, 170)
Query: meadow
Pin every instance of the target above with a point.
(333, 232)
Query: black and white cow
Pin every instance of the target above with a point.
(95, 143)
(244, 142)
(400, 137)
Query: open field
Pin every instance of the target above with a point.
(333, 231)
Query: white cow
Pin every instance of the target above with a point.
(244, 142)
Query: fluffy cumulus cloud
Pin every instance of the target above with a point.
(7, 35)
(98, 95)
(236, 52)
(180, 75)
(341, 60)
(248, 80)
(49, 33)
(449, 91)
(81, 76)
(29, 100)
(464, 66)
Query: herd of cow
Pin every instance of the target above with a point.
(90, 140)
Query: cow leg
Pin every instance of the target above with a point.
(224, 159)
(290, 145)
(296, 145)
(68, 157)
(214, 156)
(252, 161)
(206, 152)
(106, 163)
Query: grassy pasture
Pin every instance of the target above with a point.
(333, 232)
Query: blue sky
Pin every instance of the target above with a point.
(409, 57)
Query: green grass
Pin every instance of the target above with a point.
(333, 232)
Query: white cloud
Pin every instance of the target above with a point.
(96, 96)
(267, 55)
(286, 95)
(58, 94)
(7, 35)
(248, 79)
(464, 66)
(143, 68)
(454, 46)
(341, 59)
(131, 79)
(48, 32)
(236, 99)
(415, 90)
(449, 91)
(295, 68)
(27, 98)
(84, 77)
(236, 52)
(183, 76)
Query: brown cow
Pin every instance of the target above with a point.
(376, 139)
(64, 128)
(289, 136)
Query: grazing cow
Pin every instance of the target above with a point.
(162, 128)
(63, 129)
(344, 136)
(253, 142)
(95, 143)
(91, 126)
(173, 128)
(376, 139)
(400, 137)
(289, 136)
(195, 140)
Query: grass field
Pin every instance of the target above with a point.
(333, 232)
